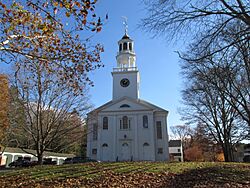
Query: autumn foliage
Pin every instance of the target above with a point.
(55, 33)
(194, 153)
(48, 42)
(220, 157)
(4, 105)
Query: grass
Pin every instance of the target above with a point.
(217, 172)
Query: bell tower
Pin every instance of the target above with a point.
(125, 75)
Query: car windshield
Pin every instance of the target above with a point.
(68, 159)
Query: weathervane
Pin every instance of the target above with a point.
(125, 23)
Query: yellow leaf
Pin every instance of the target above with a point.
(55, 3)
(67, 14)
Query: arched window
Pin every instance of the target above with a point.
(130, 46)
(146, 144)
(145, 121)
(125, 144)
(105, 145)
(124, 106)
(120, 47)
(125, 46)
(125, 122)
(105, 123)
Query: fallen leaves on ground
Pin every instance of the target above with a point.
(217, 176)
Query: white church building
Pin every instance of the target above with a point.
(127, 128)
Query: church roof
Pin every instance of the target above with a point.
(152, 105)
(174, 143)
(141, 102)
(125, 36)
(33, 152)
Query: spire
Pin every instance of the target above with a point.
(125, 23)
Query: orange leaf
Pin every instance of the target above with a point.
(78, 4)
(98, 29)
(84, 22)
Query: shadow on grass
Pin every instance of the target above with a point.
(219, 176)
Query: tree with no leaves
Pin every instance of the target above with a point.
(183, 133)
(219, 33)
(207, 104)
(193, 18)
(215, 28)
(52, 111)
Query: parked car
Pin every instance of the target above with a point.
(75, 160)
(87, 160)
(246, 158)
(68, 161)
(20, 163)
(78, 160)
(49, 161)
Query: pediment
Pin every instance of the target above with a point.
(128, 104)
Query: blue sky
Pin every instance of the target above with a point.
(156, 60)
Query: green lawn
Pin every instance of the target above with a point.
(130, 174)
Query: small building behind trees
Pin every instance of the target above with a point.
(10, 154)
(175, 150)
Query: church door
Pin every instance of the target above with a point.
(146, 152)
(105, 153)
(126, 152)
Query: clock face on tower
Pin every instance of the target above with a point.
(124, 82)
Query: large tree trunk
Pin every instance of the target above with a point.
(228, 152)
(40, 157)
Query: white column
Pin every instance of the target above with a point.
(165, 137)
(114, 133)
(99, 138)
(136, 142)
(153, 137)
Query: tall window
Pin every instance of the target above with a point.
(125, 46)
(159, 130)
(125, 122)
(105, 123)
(130, 46)
(95, 131)
(145, 121)
(120, 47)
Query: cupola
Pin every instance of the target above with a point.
(126, 56)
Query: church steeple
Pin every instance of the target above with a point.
(126, 77)
(126, 56)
